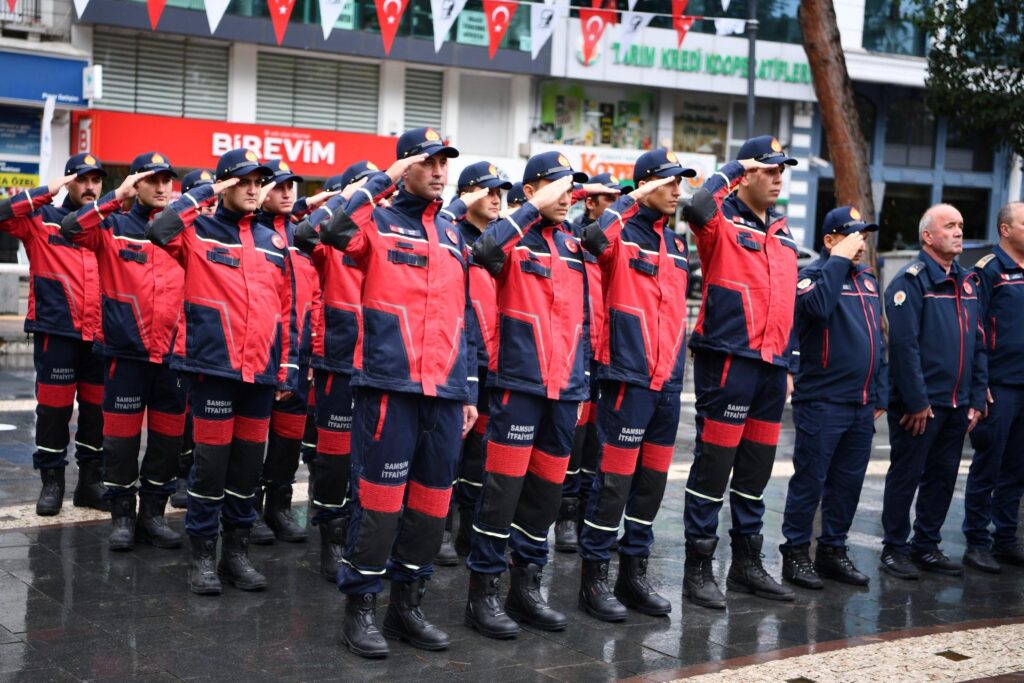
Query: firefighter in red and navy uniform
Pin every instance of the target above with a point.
(235, 348)
(597, 195)
(740, 365)
(334, 342)
(179, 499)
(640, 361)
(537, 379)
(414, 401)
(63, 316)
(142, 294)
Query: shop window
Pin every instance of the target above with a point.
(866, 113)
(972, 202)
(909, 134)
(701, 125)
(825, 203)
(901, 211)
(424, 98)
(777, 18)
(889, 27)
(969, 151)
(766, 122)
(596, 116)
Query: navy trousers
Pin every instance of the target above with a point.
(66, 367)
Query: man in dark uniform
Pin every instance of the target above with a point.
(996, 480)
(840, 389)
(938, 375)
(740, 363)
(63, 316)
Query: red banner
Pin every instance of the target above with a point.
(389, 15)
(680, 23)
(593, 23)
(11, 4)
(154, 7)
(499, 16)
(198, 143)
(280, 12)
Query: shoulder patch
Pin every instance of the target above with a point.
(804, 284)
(984, 261)
(899, 298)
(914, 268)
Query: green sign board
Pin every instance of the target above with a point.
(710, 63)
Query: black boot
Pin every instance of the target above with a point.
(483, 609)
(332, 543)
(179, 499)
(596, 599)
(798, 569)
(462, 537)
(747, 573)
(234, 561)
(359, 630)
(634, 590)
(122, 515)
(152, 526)
(699, 585)
(90, 489)
(261, 534)
(278, 515)
(525, 603)
(51, 496)
(566, 535)
(832, 562)
(202, 573)
(405, 621)
(446, 555)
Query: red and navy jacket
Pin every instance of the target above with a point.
(645, 271)
(305, 283)
(543, 329)
(749, 269)
(415, 304)
(142, 285)
(237, 291)
(839, 327)
(336, 334)
(936, 342)
(595, 288)
(483, 292)
(64, 292)
(1001, 294)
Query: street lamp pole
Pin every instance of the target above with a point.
(751, 63)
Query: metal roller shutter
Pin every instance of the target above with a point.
(423, 98)
(359, 96)
(116, 52)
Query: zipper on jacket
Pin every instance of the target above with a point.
(960, 326)
(824, 350)
(871, 338)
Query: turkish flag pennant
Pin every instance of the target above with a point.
(609, 5)
(389, 15)
(593, 23)
(155, 8)
(680, 23)
(280, 12)
(10, 5)
(499, 16)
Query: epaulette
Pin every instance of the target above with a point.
(914, 268)
(984, 261)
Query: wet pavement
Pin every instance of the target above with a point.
(72, 610)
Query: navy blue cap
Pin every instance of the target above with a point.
(240, 162)
(352, 174)
(516, 195)
(483, 174)
(151, 161)
(609, 180)
(550, 166)
(424, 141)
(196, 178)
(660, 163)
(83, 163)
(845, 220)
(766, 149)
(282, 173)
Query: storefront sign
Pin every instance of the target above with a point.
(18, 174)
(696, 61)
(19, 131)
(197, 143)
(620, 162)
(30, 78)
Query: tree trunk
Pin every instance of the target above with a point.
(847, 147)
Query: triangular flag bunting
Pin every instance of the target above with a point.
(80, 6)
(499, 16)
(728, 27)
(11, 4)
(593, 23)
(542, 22)
(609, 5)
(330, 10)
(725, 5)
(389, 15)
(444, 13)
(630, 27)
(215, 12)
(631, 4)
(680, 23)
(155, 9)
(280, 12)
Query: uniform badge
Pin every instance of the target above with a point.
(277, 240)
(776, 147)
(90, 159)
(492, 170)
(613, 179)
(804, 284)
(671, 156)
(562, 161)
(432, 135)
(451, 235)
(855, 214)
(157, 159)
(284, 167)
(680, 247)
(251, 155)
(571, 246)
(869, 285)
(899, 298)
(968, 289)
(370, 166)
(205, 175)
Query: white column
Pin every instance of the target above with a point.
(1016, 175)
(666, 116)
(450, 105)
(391, 118)
(524, 109)
(242, 82)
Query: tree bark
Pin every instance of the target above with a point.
(841, 122)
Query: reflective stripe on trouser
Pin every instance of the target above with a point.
(526, 451)
(405, 447)
(996, 480)
(638, 429)
(926, 465)
(287, 425)
(830, 457)
(739, 412)
(132, 390)
(333, 467)
(230, 421)
(66, 367)
(470, 478)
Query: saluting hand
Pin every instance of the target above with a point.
(749, 164)
(127, 187)
(549, 195)
(849, 246)
(598, 188)
(351, 188)
(647, 188)
(222, 185)
(55, 185)
(319, 198)
(916, 423)
(265, 191)
(396, 169)
(471, 198)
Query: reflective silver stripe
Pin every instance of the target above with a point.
(370, 197)
(191, 199)
(289, 365)
(91, 448)
(586, 471)
(449, 213)
(414, 567)
(51, 450)
(364, 572)
(308, 445)
(701, 495)
(329, 212)
(613, 529)
(198, 495)
(518, 528)
(489, 533)
(745, 495)
(110, 484)
(724, 177)
(470, 483)
(615, 213)
(188, 452)
(639, 521)
(572, 473)
(161, 483)
(329, 505)
(239, 495)
(516, 225)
